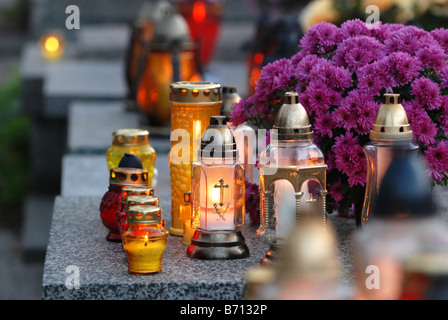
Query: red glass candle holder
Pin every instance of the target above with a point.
(111, 201)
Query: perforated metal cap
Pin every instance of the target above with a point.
(218, 140)
(195, 92)
(391, 122)
(144, 214)
(292, 121)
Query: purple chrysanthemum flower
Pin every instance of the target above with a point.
(427, 93)
(321, 38)
(358, 51)
(437, 160)
(441, 36)
(356, 27)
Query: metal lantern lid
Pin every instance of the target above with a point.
(142, 200)
(130, 137)
(137, 191)
(405, 191)
(130, 160)
(171, 30)
(292, 121)
(128, 176)
(144, 214)
(391, 122)
(230, 97)
(152, 11)
(224, 147)
(195, 92)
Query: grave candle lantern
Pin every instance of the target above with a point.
(141, 34)
(144, 240)
(133, 141)
(111, 201)
(204, 20)
(217, 197)
(391, 135)
(192, 105)
(292, 177)
(170, 58)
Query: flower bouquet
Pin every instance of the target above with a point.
(341, 74)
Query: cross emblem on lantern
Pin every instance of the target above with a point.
(311, 201)
(221, 187)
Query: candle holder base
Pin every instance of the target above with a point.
(114, 236)
(217, 246)
(271, 257)
(178, 232)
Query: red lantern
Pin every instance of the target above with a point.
(204, 20)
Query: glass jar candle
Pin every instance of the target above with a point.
(133, 141)
(170, 57)
(192, 105)
(292, 177)
(111, 202)
(390, 136)
(217, 197)
(144, 240)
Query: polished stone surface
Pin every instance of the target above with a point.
(77, 238)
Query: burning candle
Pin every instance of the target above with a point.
(145, 239)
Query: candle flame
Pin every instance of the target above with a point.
(199, 11)
(146, 240)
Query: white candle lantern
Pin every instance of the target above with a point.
(217, 196)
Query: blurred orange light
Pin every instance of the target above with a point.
(199, 11)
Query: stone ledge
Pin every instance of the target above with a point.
(77, 237)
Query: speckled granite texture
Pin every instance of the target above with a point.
(77, 237)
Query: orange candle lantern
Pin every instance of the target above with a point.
(111, 201)
(144, 240)
(170, 58)
(192, 105)
(141, 34)
(133, 141)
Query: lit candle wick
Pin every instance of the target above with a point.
(146, 240)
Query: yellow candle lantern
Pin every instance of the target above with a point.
(192, 104)
(136, 142)
(144, 240)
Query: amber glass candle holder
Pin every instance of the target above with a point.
(133, 141)
(144, 241)
(111, 202)
(170, 57)
(192, 105)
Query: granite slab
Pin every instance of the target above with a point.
(88, 79)
(77, 238)
(91, 124)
